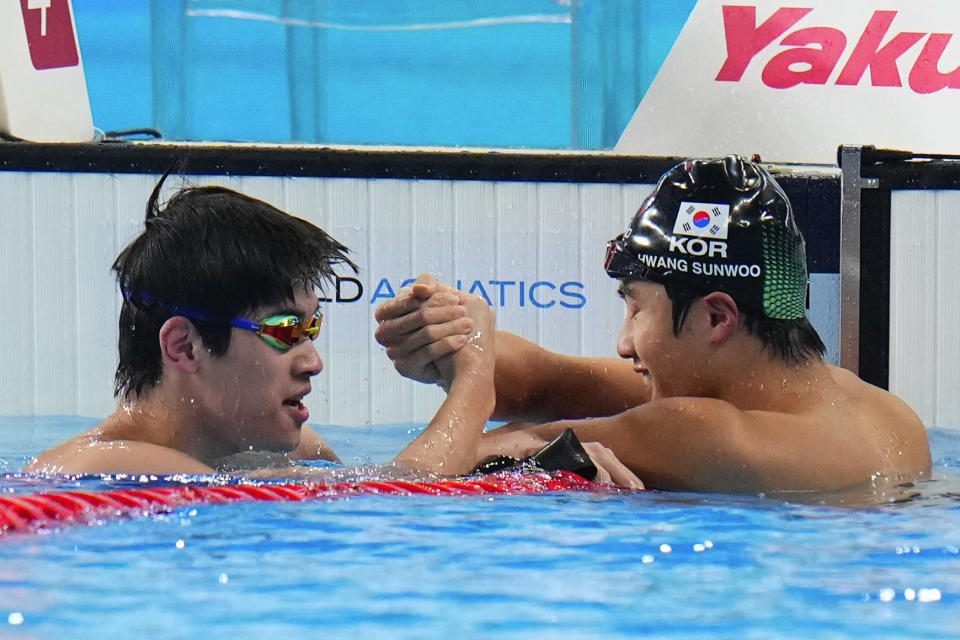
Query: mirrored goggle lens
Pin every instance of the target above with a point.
(286, 331)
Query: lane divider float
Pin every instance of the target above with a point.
(36, 511)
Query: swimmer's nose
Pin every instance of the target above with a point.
(308, 360)
(625, 343)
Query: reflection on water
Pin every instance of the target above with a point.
(882, 490)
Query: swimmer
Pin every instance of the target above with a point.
(723, 386)
(216, 353)
(215, 346)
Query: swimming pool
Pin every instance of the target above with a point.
(665, 565)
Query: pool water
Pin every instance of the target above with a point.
(664, 565)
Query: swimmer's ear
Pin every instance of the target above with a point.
(180, 344)
(724, 316)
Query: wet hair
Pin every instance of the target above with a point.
(215, 253)
(793, 341)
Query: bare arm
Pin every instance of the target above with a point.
(534, 384)
(425, 323)
(449, 443)
(703, 444)
(647, 440)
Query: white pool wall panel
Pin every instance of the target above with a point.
(925, 303)
(62, 231)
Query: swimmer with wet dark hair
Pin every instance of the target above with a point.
(724, 387)
(219, 314)
(215, 354)
(220, 310)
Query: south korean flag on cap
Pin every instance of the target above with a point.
(702, 219)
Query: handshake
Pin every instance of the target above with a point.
(436, 334)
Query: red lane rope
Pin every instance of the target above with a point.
(31, 512)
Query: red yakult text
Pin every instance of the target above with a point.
(817, 51)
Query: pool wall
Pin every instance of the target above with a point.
(527, 230)
(925, 302)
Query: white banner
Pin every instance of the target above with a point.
(791, 81)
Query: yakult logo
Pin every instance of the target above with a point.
(817, 51)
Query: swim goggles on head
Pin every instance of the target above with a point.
(282, 331)
(620, 262)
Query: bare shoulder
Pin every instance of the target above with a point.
(888, 419)
(835, 437)
(851, 383)
(90, 452)
(874, 401)
(694, 410)
(312, 447)
(52, 460)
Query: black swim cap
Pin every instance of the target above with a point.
(718, 225)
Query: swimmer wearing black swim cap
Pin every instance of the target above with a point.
(723, 384)
(718, 225)
(726, 226)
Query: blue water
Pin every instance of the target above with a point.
(664, 565)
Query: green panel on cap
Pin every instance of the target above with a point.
(785, 279)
